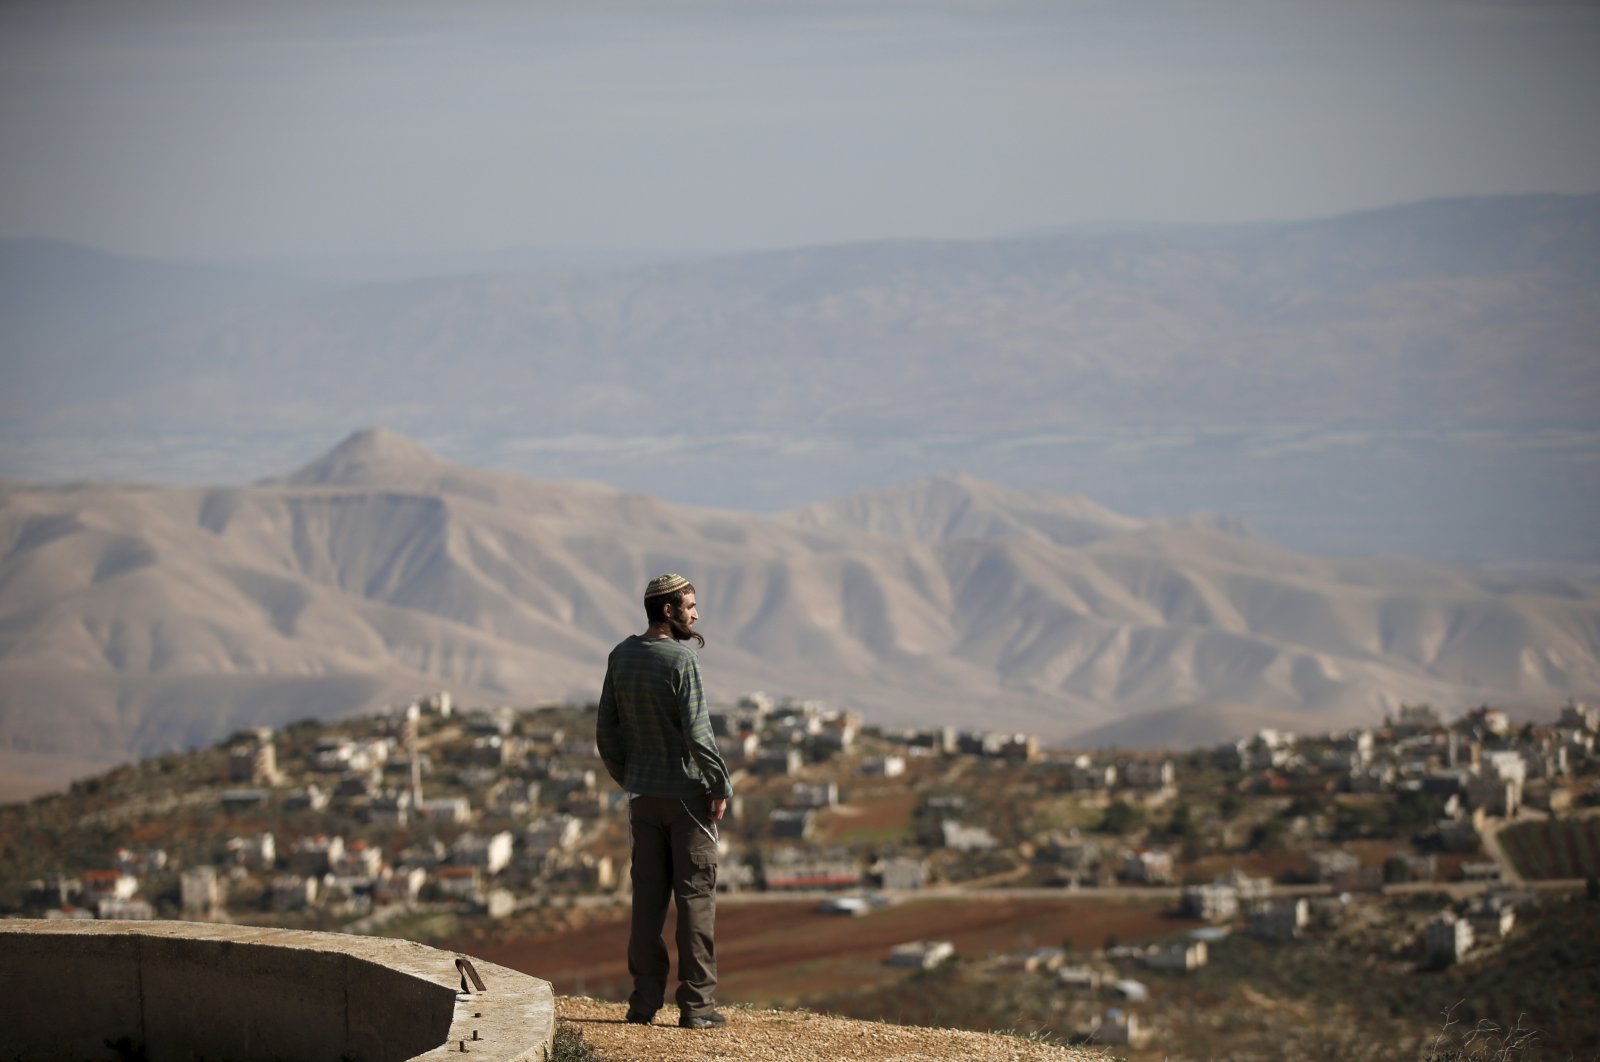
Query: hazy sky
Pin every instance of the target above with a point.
(267, 128)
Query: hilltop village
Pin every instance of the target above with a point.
(1402, 837)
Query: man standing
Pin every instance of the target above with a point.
(655, 738)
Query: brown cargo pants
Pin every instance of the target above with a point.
(674, 855)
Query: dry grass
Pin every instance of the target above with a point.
(1483, 1042)
(596, 1032)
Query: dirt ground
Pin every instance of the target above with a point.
(780, 953)
(869, 818)
(789, 1036)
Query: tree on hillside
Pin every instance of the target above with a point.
(1121, 818)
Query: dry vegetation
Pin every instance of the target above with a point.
(593, 1031)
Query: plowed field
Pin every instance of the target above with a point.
(1554, 848)
(786, 952)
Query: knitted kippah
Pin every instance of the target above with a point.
(665, 584)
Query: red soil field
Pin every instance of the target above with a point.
(784, 952)
(1270, 865)
(868, 818)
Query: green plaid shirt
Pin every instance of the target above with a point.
(653, 731)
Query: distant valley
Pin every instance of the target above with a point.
(135, 619)
(1419, 379)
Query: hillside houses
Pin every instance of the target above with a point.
(1350, 849)
(490, 800)
(1478, 765)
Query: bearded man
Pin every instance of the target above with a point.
(654, 736)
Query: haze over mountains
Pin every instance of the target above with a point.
(1419, 379)
(138, 618)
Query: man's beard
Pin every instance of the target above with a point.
(681, 632)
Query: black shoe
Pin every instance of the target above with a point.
(639, 1017)
(711, 1019)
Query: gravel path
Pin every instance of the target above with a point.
(791, 1036)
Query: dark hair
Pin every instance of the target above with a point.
(655, 609)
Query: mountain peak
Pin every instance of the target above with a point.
(369, 456)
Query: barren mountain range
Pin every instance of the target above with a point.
(135, 619)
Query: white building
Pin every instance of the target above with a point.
(77, 914)
(241, 799)
(290, 892)
(965, 838)
(200, 890)
(359, 860)
(140, 862)
(258, 851)
(839, 731)
(1212, 902)
(491, 854)
(1278, 919)
(390, 809)
(1492, 918)
(814, 794)
(556, 831)
(884, 767)
(54, 889)
(1118, 1027)
(108, 885)
(778, 761)
(903, 873)
(445, 809)
(739, 748)
(128, 910)
(1084, 773)
(509, 799)
(1184, 955)
(254, 762)
(1576, 716)
(1086, 978)
(460, 882)
(1068, 850)
(1247, 887)
(1491, 720)
(334, 754)
(315, 855)
(1334, 864)
(924, 953)
(1147, 866)
(1506, 764)
(400, 885)
(791, 823)
(1447, 936)
(1495, 796)
(1130, 990)
(311, 798)
(1142, 774)
(1267, 748)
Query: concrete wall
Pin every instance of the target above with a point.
(185, 990)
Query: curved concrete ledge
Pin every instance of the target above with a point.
(194, 990)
